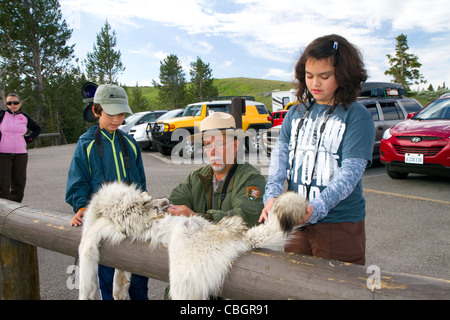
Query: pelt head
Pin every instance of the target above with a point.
(290, 208)
(147, 203)
(126, 206)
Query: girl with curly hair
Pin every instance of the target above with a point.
(324, 146)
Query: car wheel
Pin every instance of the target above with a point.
(253, 142)
(188, 150)
(396, 174)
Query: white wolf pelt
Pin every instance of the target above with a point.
(200, 252)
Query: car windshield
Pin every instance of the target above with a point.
(194, 110)
(436, 110)
(168, 115)
(130, 119)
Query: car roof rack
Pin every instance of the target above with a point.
(382, 89)
(226, 98)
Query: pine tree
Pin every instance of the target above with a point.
(202, 82)
(40, 55)
(136, 99)
(172, 85)
(8, 50)
(404, 66)
(104, 64)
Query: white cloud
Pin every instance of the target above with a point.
(277, 31)
(149, 51)
(194, 45)
(227, 63)
(280, 74)
(431, 16)
(435, 60)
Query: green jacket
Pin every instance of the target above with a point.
(244, 195)
(88, 171)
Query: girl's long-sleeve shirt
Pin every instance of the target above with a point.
(329, 165)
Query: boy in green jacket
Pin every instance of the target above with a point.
(103, 154)
(224, 187)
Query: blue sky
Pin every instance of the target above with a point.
(260, 38)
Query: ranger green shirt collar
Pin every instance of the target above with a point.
(206, 177)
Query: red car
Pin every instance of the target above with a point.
(277, 117)
(420, 144)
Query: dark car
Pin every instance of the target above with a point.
(420, 144)
(386, 103)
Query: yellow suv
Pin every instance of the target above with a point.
(169, 133)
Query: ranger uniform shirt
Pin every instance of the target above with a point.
(244, 194)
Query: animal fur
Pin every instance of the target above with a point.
(289, 208)
(200, 252)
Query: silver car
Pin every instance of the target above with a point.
(140, 117)
(142, 132)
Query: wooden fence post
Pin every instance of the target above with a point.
(19, 271)
(237, 109)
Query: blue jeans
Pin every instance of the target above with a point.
(138, 288)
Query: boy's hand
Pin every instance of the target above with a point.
(78, 218)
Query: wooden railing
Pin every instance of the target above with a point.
(55, 136)
(260, 274)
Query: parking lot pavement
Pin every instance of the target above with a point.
(407, 222)
(415, 186)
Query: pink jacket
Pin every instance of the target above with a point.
(13, 128)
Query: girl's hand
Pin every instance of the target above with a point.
(309, 212)
(265, 212)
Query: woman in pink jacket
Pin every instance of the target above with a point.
(14, 125)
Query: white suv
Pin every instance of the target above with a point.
(142, 132)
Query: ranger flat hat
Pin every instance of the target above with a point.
(219, 123)
(112, 98)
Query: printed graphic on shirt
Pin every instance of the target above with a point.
(252, 193)
(315, 165)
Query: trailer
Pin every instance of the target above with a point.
(281, 98)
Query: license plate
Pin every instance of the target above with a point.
(414, 158)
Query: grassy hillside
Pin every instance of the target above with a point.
(258, 88)
(261, 89)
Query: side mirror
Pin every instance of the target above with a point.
(410, 115)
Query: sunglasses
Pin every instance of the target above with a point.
(12, 102)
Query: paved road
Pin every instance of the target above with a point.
(407, 221)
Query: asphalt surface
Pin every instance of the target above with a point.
(407, 222)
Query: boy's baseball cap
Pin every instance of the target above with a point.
(112, 98)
